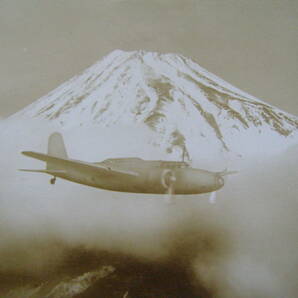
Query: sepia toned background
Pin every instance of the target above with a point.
(251, 44)
(52, 236)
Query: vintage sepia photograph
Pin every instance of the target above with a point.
(148, 149)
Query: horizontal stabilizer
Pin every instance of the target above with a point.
(41, 156)
(51, 172)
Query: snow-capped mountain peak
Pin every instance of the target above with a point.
(183, 103)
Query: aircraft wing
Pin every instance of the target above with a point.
(226, 172)
(61, 162)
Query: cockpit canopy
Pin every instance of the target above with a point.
(125, 160)
(138, 162)
(174, 164)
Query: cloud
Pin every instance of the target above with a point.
(243, 245)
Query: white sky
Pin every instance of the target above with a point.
(251, 44)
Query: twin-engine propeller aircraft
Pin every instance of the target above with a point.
(133, 175)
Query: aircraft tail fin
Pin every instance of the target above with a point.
(56, 148)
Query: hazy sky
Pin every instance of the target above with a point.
(251, 44)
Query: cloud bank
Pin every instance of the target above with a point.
(243, 245)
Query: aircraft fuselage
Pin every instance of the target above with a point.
(132, 174)
(151, 177)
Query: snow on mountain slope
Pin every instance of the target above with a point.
(183, 103)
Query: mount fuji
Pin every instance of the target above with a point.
(184, 105)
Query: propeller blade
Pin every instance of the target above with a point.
(168, 180)
(170, 193)
(226, 172)
(212, 198)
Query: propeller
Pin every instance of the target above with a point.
(212, 198)
(220, 181)
(168, 180)
(225, 172)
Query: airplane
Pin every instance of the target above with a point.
(131, 174)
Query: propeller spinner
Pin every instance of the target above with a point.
(168, 180)
(220, 183)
